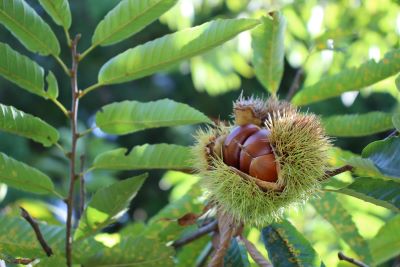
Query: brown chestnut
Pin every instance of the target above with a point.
(256, 145)
(264, 168)
(234, 141)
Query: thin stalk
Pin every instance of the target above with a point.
(72, 155)
(89, 89)
(63, 66)
(67, 36)
(61, 107)
(87, 51)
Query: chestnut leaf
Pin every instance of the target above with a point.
(333, 211)
(269, 51)
(353, 79)
(358, 124)
(59, 11)
(17, 122)
(287, 247)
(377, 191)
(132, 116)
(236, 255)
(386, 243)
(158, 156)
(385, 154)
(164, 52)
(23, 177)
(28, 27)
(128, 18)
(107, 204)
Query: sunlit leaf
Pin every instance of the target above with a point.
(269, 51)
(107, 205)
(377, 191)
(17, 239)
(158, 156)
(386, 244)
(133, 251)
(287, 247)
(52, 86)
(128, 18)
(358, 124)
(236, 256)
(58, 11)
(385, 154)
(22, 71)
(190, 254)
(397, 81)
(17, 122)
(163, 52)
(28, 27)
(162, 227)
(52, 262)
(132, 116)
(332, 210)
(350, 79)
(21, 176)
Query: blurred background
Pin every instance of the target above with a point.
(322, 38)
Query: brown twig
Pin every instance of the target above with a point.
(196, 235)
(295, 84)
(255, 253)
(337, 171)
(227, 230)
(47, 249)
(72, 155)
(82, 192)
(343, 257)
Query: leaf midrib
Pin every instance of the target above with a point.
(28, 82)
(28, 32)
(119, 29)
(166, 62)
(55, 11)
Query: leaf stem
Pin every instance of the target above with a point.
(87, 51)
(89, 89)
(255, 253)
(61, 107)
(72, 154)
(67, 36)
(87, 131)
(47, 249)
(62, 64)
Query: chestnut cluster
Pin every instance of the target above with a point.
(247, 148)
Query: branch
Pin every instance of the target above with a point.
(343, 257)
(196, 235)
(255, 253)
(295, 84)
(337, 171)
(74, 140)
(37, 231)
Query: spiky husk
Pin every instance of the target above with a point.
(300, 147)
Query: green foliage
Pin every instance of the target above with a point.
(127, 18)
(386, 244)
(236, 256)
(107, 205)
(30, 29)
(21, 176)
(24, 72)
(333, 211)
(377, 191)
(132, 116)
(52, 86)
(358, 125)
(396, 121)
(59, 11)
(133, 251)
(385, 154)
(287, 247)
(269, 51)
(164, 224)
(17, 238)
(350, 79)
(158, 54)
(17, 122)
(159, 156)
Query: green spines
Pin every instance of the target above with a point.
(300, 148)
